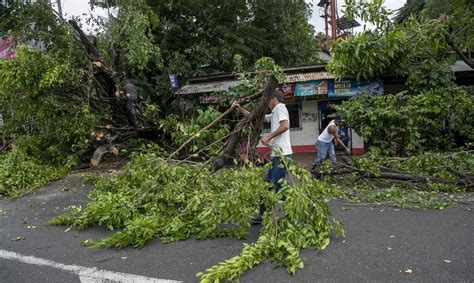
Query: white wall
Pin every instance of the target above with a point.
(309, 132)
(310, 127)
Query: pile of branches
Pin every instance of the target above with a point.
(442, 170)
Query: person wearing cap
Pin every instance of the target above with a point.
(130, 92)
(279, 141)
(327, 140)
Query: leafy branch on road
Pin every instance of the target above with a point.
(154, 199)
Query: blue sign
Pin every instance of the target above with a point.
(314, 88)
(353, 88)
(331, 88)
(173, 81)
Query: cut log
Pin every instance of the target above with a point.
(101, 152)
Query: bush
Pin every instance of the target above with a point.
(436, 120)
(20, 173)
(43, 105)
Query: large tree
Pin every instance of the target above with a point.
(202, 37)
(458, 15)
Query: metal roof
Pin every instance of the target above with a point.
(306, 77)
(460, 66)
(207, 87)
(344, 23)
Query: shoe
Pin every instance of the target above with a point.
(255, 220)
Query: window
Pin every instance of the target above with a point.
(294, 113)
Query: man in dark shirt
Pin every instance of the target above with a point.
(131, 93)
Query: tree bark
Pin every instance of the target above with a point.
(256, 120)
(458, 51)
(107, 84)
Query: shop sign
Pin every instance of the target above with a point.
(331, 88)
(353, 88)
(287, 90)
(314, 88)
(208, 99)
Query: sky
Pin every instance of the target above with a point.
(78, 7)
(318, 22)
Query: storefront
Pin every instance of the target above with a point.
(309, 95)
(309, 105)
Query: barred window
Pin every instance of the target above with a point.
(295, 121)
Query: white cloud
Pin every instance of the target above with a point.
(82, 9)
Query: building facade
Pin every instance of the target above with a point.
(309, 94)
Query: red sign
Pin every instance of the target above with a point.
(7, 50)
(287, 90)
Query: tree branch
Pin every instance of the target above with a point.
(459, 52)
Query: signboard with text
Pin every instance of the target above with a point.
(314, 88)
(331, 88)
(287, 90)
(353, 88)
(173, 81)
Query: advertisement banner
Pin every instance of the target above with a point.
(353, 88)
(287, 90)
(314, 88)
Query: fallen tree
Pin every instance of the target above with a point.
(430, 172)
(108, 92)
(255, 121)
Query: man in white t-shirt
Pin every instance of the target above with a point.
(278, 139)
(326, 141)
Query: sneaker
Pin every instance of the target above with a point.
(254, 220)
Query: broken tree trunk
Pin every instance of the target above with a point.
(392, 174)
(107, 86)
(256, 120)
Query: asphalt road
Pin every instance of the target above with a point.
(382, 244)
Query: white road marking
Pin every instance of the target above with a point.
(86, 274)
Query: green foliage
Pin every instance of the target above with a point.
(202, 37)
(369, 11)
(181, 131)
(415, 47)
(368, 55)
(130, 32)
(406, 194)
(42, 106)
(20, 173)
(153, 199)
(457, 16)
(433, 120)
(434, 164)
(266, 67)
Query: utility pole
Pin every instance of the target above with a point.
(58, 4)
(60, 8)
